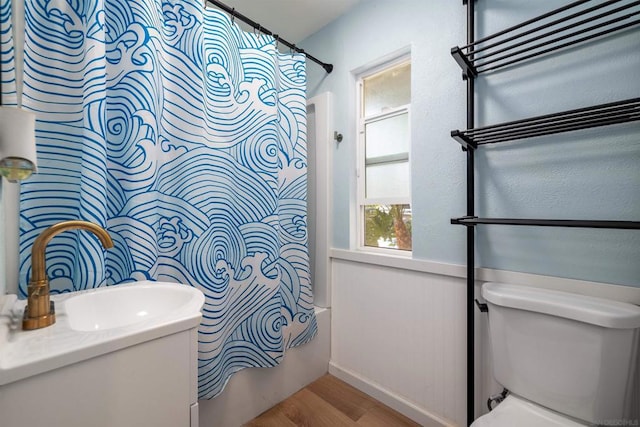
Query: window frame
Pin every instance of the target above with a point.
(362, 121)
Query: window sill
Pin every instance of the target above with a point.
(401, 261)
(390, 252)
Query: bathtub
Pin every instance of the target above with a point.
(252, 391)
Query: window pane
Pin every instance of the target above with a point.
(387, 136)
(389, 89)
(387, 180)
(388, 226)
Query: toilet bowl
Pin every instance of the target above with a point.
(517, 412)
(553, 351)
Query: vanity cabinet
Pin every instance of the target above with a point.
(148, 384)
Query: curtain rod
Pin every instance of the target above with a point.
(235, 14)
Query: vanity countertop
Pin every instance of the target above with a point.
(27, 353)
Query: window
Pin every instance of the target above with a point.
(384, 174)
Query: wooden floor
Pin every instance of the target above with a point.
(330, 402)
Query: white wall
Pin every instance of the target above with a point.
(398, 331)
(9, 233)
(402, 333)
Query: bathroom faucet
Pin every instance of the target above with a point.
(39, 312)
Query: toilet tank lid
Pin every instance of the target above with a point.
(596, 311)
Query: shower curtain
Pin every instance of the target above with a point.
(185, 138)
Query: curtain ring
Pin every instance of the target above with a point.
(233, 15)
(275, 36)
(293, 50)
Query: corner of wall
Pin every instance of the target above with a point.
(3, 278)
(9, 234)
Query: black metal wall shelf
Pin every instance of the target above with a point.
(583, 118)
(542, 35)
(620, 225)
(574, 24)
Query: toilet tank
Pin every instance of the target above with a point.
(571, 353)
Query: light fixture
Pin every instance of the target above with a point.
(17, 143)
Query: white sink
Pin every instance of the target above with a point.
(119, 306)
(92, 323)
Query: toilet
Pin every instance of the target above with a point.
(566, 359)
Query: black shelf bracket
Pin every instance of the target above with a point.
(459, 220)
(468, 70)
(466, 142)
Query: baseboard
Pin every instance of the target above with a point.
(389, 398)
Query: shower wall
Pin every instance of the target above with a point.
(320, 145)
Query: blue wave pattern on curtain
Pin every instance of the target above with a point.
(186, 138)
(8, 75)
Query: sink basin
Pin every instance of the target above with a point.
(94, 322)
(128, 353)
(119, 306)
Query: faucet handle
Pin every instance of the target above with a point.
(40, 310)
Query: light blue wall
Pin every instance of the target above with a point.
(592, 174)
